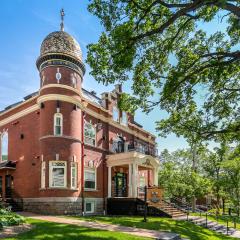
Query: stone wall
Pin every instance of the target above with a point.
(60, 206)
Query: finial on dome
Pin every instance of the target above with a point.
(62, 19)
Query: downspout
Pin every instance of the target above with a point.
(82, 160)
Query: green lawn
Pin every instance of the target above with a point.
(221, 219)
(47, 230)
(185, 229)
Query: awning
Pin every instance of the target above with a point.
(8, 165)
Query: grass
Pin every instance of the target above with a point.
(184, 228)
(222, 219)
(51, 231)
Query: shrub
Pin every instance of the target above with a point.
(8, 218)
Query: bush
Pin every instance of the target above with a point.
(8, 218)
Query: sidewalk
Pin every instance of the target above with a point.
(109, 227)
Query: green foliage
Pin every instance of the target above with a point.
(8, 218)
(173, 62)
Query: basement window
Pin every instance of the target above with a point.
(89, 206)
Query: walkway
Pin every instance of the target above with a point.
(109, 227)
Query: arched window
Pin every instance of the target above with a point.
(4, 146)
(58, 124)
(115, 114)
(124, 119)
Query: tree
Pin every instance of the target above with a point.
(231, 168)
(173, 63)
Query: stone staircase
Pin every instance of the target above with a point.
(168, 208)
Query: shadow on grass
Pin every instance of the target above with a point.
(184, 228)
(48, 230)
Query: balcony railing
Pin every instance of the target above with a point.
(120, 147)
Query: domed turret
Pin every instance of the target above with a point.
(60, 48)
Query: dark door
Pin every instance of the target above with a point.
(120, 185)
(8, 186)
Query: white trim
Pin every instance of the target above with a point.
(43, 174)
(54, 97)
(92, 202)
(74, 166)
(50, 173)
(56, 116)
(18, 115)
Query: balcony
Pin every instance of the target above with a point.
(121, 147)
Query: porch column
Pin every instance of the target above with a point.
(109, 182)
(130, 194)
(155, 176)
(135, 180)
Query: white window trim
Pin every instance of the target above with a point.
(56, 115)
(122, 122)
(87, 169)
(92, 204)
(95, 139)
(43, 175)
(74, 165)
(50, 174)
(115, 108)
(1, 141)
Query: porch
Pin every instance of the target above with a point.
(129, 173)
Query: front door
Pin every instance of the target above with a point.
(120, 185)
(8, 186)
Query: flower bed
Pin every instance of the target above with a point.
(8, 218)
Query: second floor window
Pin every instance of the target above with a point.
(89, 134)
(115, 114)
(4, 146)
(58, 124)
(124, 119)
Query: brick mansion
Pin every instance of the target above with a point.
(65, 150)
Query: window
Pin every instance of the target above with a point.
(115, 114)
(73, 175)
(124, 119)
(4, 146)
(57, 174)
(142, 181)
(74, 81)
(58, 122)
(89, 134)
(43, 174)
(90, 179)
(89, 206)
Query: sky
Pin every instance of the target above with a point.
(24, 24)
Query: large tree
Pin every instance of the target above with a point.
(174, 64)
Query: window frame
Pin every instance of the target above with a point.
(95, 131)
(74, 166)
(4, 133)
(124, 123)
(115, 109)
(51, 167)
(56, 115)
(92, 206)
(87, 169)
(43, 175)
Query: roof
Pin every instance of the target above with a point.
(8, 164)
(92, 96)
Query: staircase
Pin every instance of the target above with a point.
(214, 226)
(168, 208)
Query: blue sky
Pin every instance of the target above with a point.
(24, 24)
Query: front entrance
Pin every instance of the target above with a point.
(120, 185)
(8, 186)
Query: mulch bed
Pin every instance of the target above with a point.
(11, 231)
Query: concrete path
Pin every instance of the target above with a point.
(109, 227)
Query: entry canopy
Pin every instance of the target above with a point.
(8, 165)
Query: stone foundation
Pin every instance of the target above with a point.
(60, 206)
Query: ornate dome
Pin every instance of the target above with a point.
(63, 43)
